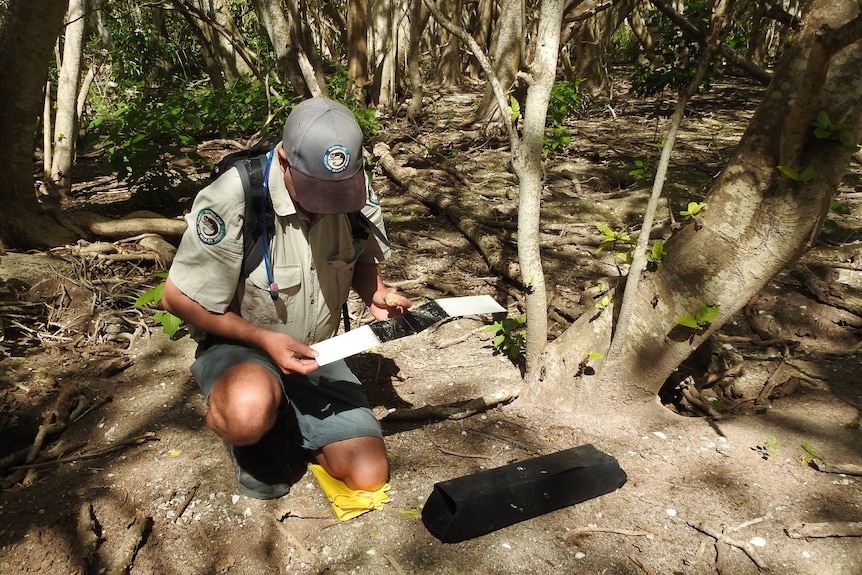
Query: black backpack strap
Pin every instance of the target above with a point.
(251, 172)
(359, 224)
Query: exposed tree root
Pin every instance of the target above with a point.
(722, 539)
(455, 411)
(830, 529)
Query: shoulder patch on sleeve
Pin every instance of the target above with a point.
(210, 227)
(372, 195)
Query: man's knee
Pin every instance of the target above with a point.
(243, 404)
(360, 463)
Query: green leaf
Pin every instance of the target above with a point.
(516, 109)
(839, 208)
(706, 314)
(687, 321)
(808, 174)
(811, 449)
(789, 172)
(411, 513)
(169, 322)
(150, 296)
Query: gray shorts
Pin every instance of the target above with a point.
(327, 405)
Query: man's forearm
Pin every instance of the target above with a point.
(367, 281)
(228, 324)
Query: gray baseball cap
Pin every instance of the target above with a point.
(323, 143)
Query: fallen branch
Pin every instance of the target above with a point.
(134, 539)
(118, 229)
(149, 436)
(489, 244)
(587, 530)
(845, 468)
(186, 502)
(453, 452)
(641, 565)
(721, 538)
(87, 538)
(456, 411)
(830, 529)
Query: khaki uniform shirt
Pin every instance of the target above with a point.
(312, 260)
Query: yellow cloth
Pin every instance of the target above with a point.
(346, 502)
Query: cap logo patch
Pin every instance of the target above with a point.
(210, 227)
(336, 158)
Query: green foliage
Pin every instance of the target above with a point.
(644, 171)
(624, 45)
(144, 55)
(768, 447)
(515, 108)
(839, 208)
(813, 453)
(170, 323)
(705, 315)
(804, 176)
(510, 336)
(340, 87)
(679, 55)
(854, 423)
(604, 302)
(147, 133)
(656, 253)
(611, 238)
(565, 101)
(693, 210)
(555, 138)
(824, 129)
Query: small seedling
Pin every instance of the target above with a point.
(824, 129)
(515, 108)
(510, 336)
(804, 176)
(644, 171)
(170, 323)
(693, 210)
(655, 254)
(611, 238)
(603, 303)
(706, 314)
(768, 447)
(854, 423)
(813, 453)
(584, 368)
(839, 208)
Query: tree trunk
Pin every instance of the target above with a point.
(27, 37)
(527, 164)
(758, 221)
(481, 31)
(508, 55)
(278, 29)
(357, 46)
(223, 39)
(591, 44)
(449, 63)
(66, 119)
(306, 55)
(419, 16)
(384, 31)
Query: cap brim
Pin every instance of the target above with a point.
(329, 197)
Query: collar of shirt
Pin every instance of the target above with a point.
(282, 204)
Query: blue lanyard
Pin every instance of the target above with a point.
(264, 204)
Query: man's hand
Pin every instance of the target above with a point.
(388, 303)
(290, 355)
